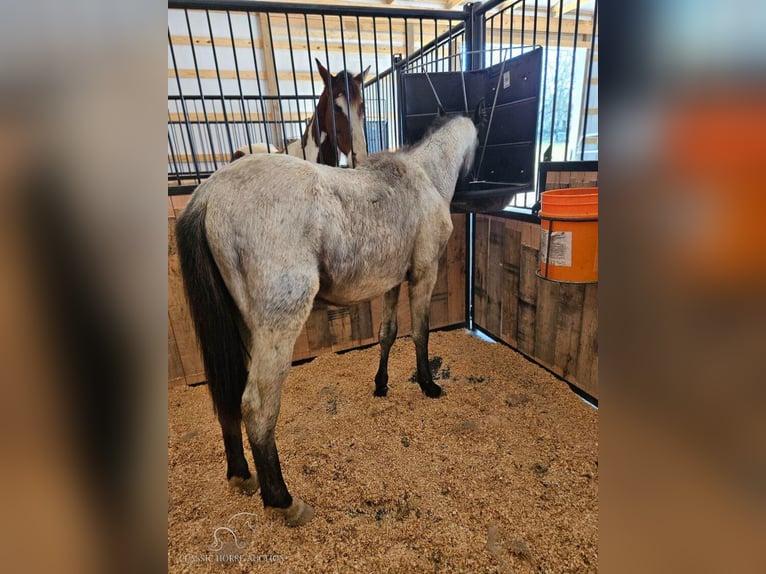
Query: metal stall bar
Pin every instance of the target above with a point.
(276, 80)
(590, 79)
(239, 80)
(377, 83)
(264, 117)
(313, 89)
(185, 110)
(361, 69)
(571, 82)
(220, 84)
(295, 83)
(201, 91)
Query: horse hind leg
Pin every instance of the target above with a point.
(387, 336)
(274, 330)
(272, 354)
(421, 288)
(237, 472)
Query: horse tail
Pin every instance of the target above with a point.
(214, 313)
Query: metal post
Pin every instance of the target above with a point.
(398, 83)
(473, 60)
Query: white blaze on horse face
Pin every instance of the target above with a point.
(359, 143)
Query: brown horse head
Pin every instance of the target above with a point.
(339, 119)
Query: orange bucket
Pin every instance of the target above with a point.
(569, 235)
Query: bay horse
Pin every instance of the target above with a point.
(336, 125)
(264, 236)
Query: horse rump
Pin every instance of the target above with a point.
(214, 313)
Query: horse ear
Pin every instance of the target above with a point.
(360, 77)
(480, 114)
(440, 111)
(326, 78)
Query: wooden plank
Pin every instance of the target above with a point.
(179, 202)
(301, 348)
(530, 235)
(439, 309)
(362, 330)
(511, 269)
(178, 312)
(586, 372)
(494, 277)
(318, 330)
(525, 332)
(376, 315)
(175, 368)
(340, 327)
(568, 326)
(481, 248)
(456, 271)
(403, 316)
(545, 321)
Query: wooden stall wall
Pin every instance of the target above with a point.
(328, 328)
(555, 324)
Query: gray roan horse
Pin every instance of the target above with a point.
(337, 124)
(266, 235)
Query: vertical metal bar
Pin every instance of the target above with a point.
(400, 66)
(436, 49)
(523, 23)
(315, 116)
(329, 88)
(510, 51)
(173, 155)
(183, 142)
(394, 102)
(545, 83)
(534, 32)
(590, 77)
(471, 44)
(258, 83)
(377, 83)
(220, 84)
(449, 44)
(361, 69)
(420, 22)
(491, 23)
(295, 82)
(571, 83)
(276, 82)
(556, 80)
(239, 80)
(199, 84)
(502, 34)
(183, 106)
(349, 160)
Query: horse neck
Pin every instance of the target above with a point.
(441, 156)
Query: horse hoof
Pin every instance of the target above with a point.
(298, 513)
(380, 392)
(433, 391)
(248, 486)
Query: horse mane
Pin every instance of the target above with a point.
(438, 123)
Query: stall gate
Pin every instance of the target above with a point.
(242, 72)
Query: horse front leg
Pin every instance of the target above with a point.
(271, 356)
(421, 288)
(386, 336)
